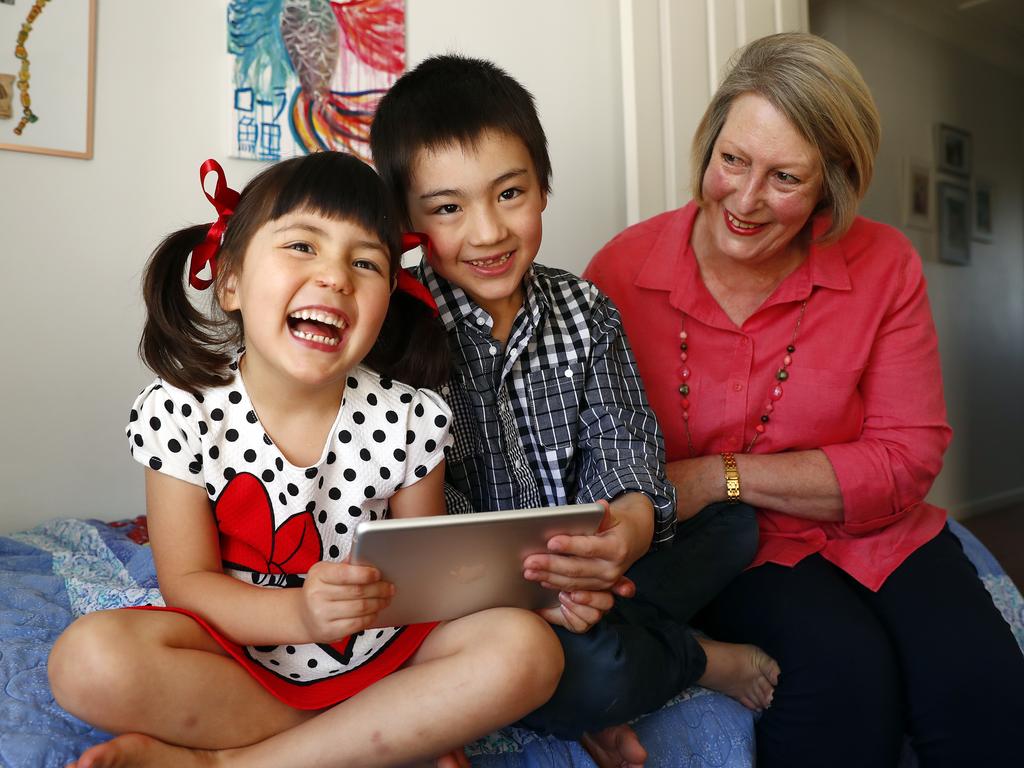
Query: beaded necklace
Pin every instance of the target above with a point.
(20, 52)
(774, 394)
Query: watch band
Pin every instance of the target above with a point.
(732, 478)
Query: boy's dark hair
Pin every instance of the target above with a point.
(192, 348)
(451, 100)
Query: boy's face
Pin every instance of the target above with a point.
(481, 207)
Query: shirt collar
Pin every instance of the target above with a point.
(455, 306)
(671, 266)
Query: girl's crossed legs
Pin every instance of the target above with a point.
(161, 674)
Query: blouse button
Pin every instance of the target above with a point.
(738, 387)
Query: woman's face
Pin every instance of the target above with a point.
(761, 184)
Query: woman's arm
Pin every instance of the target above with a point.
(186, 552)
(800, 483)
(861, 483)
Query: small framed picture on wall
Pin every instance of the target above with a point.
(982, 230)
(954, 207)
(917, 194)
(954, 150)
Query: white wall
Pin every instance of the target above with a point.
(920, 79)
(74, 234)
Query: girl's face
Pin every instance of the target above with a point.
(761, 185)
(313, 292)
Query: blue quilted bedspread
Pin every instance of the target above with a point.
(65, 568)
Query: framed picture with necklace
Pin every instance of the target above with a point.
(47, 54)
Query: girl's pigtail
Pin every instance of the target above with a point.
(413, 345)
(179, 343)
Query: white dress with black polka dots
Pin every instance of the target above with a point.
(275, 519)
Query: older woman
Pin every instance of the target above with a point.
(788, 349)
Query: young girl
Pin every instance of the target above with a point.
(258, 467)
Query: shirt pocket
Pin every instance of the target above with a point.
(828, 401)
(555, 405)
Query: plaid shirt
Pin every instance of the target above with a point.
(558, 415)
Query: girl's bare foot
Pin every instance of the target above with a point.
(744, 672)
(615, 747)
(134, 749)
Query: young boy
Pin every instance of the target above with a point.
(549, 409)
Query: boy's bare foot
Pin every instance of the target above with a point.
(615, 747)
(744, 672)
(134, 749)
(454, 759)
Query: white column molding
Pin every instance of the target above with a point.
(674, 53)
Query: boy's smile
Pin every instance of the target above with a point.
(481, 206)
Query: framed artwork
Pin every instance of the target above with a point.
(308, 74)
(954, 150)
(982, 230)
(917, 194)
(954, 207)
(47, 55)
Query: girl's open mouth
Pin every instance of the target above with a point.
(317, 326)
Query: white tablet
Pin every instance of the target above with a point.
(448, 566)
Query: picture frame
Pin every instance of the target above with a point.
(982, 218)
(953, 147)
(918, 202)
(58, 53)
(954, 212)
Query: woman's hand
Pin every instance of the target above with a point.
(698, 483)
(339, 599)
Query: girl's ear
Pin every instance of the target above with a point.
(227, 293)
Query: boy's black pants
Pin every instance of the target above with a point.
(643, 652)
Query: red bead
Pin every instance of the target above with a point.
(684, 373)
(686, 403)
(682, 356)
(686, 415)
(759, 429)
(769, 408)
(787, 360)
(776, 392)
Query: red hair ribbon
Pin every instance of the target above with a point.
(408, 283)
(224, 199)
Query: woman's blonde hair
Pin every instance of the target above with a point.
(820, 91)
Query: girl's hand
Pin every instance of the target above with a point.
(339, 599)
(578, 611)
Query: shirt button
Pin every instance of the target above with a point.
(480, 321)
(568, 373)
(444, 390)
(738, 387)
(743, 341)
(492, 349)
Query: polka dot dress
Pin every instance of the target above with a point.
(275, 519)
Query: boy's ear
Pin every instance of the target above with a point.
(543, 201)
(227, 293)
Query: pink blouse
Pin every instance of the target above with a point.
(864, 384)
